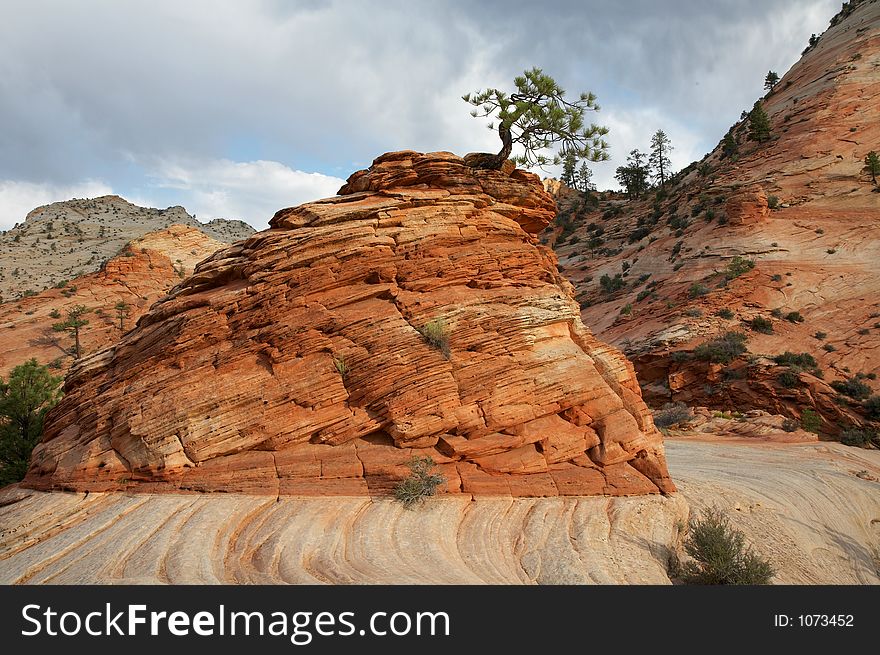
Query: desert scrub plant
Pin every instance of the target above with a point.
(696, 290)
(720, 555)
(829, 348)
(872, 408)
(723, 349)
(626, 310)
(852, 387)
(611, 284)
(436, 334)
(725, 313)
(761, 324)
(788, 379)
(737, 266)
(341, 366)
(672, 414)
(773, 202)
(419, 484)
(796, 360)
(820, 335)
(794, 317)
(811, 421)
(857, 437)
(790, 425)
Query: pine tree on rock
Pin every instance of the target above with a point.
(536, 116)
(659, 161)
(759, 124)
(771, 80)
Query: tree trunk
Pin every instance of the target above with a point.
(76, 339)
(493, 162)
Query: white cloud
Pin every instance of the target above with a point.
(18, 198)
(251, 191)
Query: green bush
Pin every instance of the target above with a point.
(723, 349)
(436, 333)
(737, 266)
(794, 317)
(872, 408)
(725, 313)
(626, 310)
(790, 425)
(720, 555)
(761, 324)
(611, 284)
(829, 348)
(773, 202)
(672, 414)
(419, 484)
(820, 335)
(811, 421)
(857, 437)
(852, 387)
(697, 290)
(788, 379)
(796, 360)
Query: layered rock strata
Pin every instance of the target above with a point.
(413, 314)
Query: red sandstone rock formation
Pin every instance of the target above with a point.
(146, 269)
(815, 253)
(292, 362)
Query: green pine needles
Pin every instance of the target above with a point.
(536, 116)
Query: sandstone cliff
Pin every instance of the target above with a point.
(800, 207)
(293, 363)
(145, 270)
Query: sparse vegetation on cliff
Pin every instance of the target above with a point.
(436, 333)
(759, 124)
(420, 484)
(723, 349)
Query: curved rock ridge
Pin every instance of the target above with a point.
(293, 362)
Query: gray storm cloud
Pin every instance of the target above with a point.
(106, 94)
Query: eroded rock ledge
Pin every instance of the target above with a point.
(292, 362)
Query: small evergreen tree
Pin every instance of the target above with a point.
(872, 163)
(771, 80)
(759, 124)
(536, 116)
(729, 146)
(584, 179)
(72, 325)
(122, 311)
(659, 157)
(24, 400)
(634, 176)
(569, 172)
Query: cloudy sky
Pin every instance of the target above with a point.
(236, 109)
